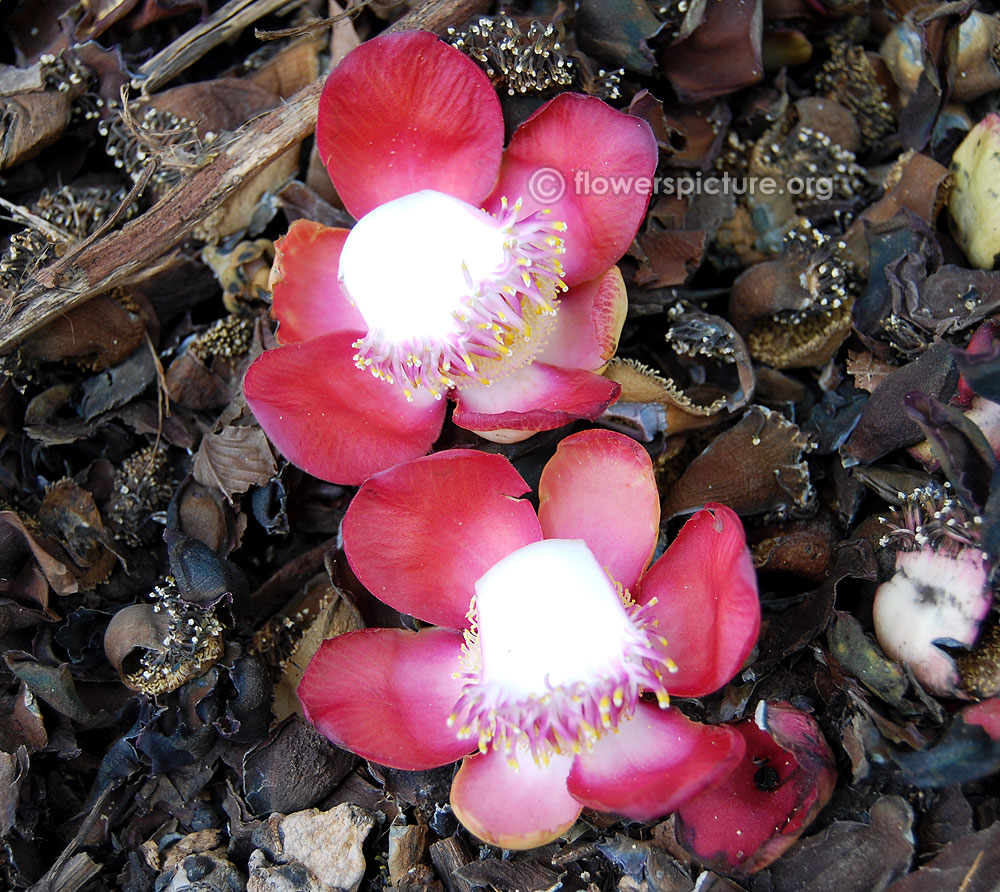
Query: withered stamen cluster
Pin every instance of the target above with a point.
(193, 638)
(930, 516)
(227, 338)
(828, 284)
(133, 140)
(849, 78)
(802, 152)
(140, 488)
(532, 61)
(691, 335)
(72, 212)
(673, 16)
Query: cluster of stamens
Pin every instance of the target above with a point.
(193, 641)
(499, 324)
(141, 487)
(133, 140)
(931, 517)
(58, 219)
(564, 718)
(849, 78)
(524, 61)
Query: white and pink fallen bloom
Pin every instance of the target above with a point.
(457, 281)
(555, 647)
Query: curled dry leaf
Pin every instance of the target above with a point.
(730, 30)
(884, 425)
(707, 375)
(755, 467)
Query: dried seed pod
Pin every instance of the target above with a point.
(158, 647)
(755, 467)
(902, 51)
(976, 69)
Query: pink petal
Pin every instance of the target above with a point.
(588, 324)
(707, 605)
(307, 297)
(762, 806)
(537, 397)
(514, 809)
(420, 535)
(331, 419)
(599, 487)
(406, 112)
(657, 761)
(547, 165)
(985, 714)
(386, 695)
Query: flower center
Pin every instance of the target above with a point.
(557, 654)
(451, 294)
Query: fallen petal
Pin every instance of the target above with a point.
(764, 805)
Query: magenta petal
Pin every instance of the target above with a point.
(386, 695)
(588, 324)
(520, 809)
(986, 714)
(333, 420)
(707, 605)
(307, 297)
(599, 487)
(763, 805)
(558, 158)
(657, 761)
(538, 397)
(420, 535)
(405, 112)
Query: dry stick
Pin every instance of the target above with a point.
(121, 255)
(194, 43)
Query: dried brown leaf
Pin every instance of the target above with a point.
(234, 459)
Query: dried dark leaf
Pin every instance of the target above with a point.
(617, 32)
(54, 685)
(730, 30)
(964, 753)
(203, 578)
(966, 455)
(851, 854)
(118, 385)
(884, 426)
(970, 864)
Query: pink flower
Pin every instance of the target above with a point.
(460, 279)
(550, 630)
